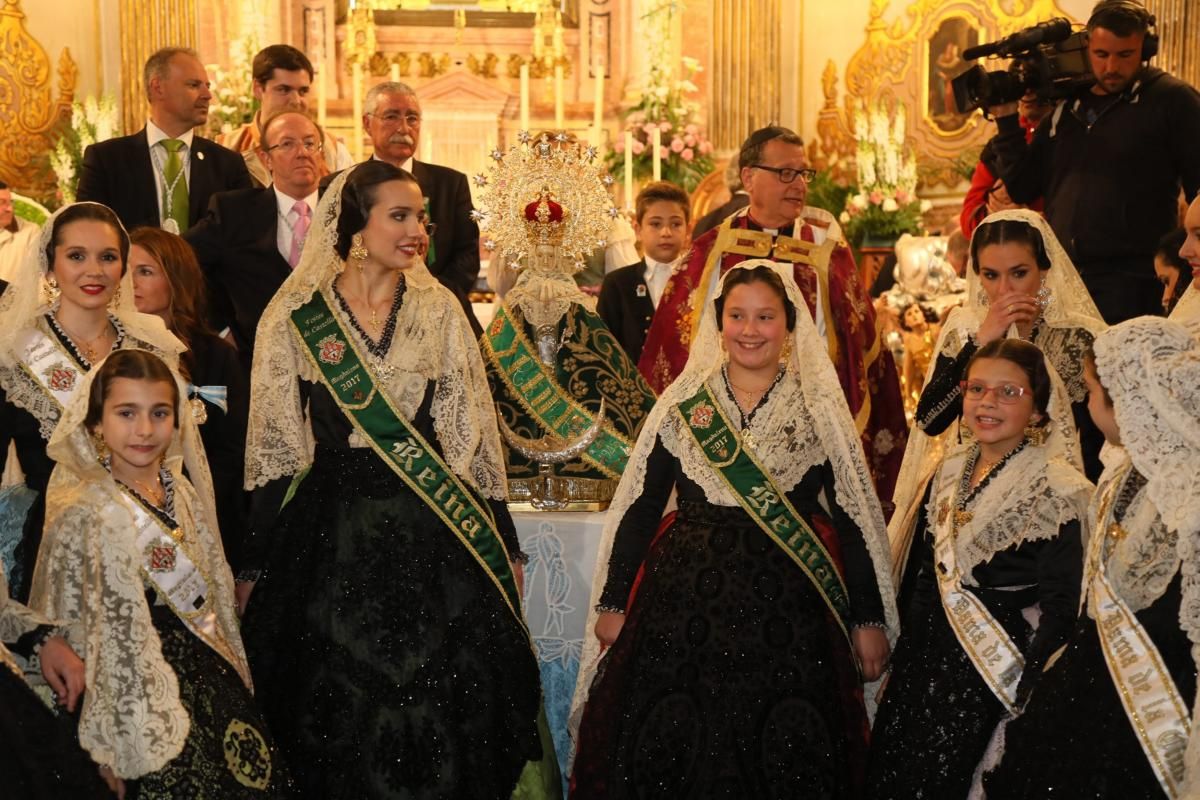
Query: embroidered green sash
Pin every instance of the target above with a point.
(543, 398)
(350, 381)
(762, 500)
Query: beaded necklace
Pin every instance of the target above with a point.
(746, 436)
(377, 350)
(965, 494)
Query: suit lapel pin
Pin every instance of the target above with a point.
(641, 290)
(200, 155)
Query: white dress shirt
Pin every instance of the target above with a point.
(159, 155)
(288, 218)
(406, 166)
(657, 274)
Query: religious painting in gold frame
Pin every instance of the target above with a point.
(942, 62)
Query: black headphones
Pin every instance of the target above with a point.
(1150, 42)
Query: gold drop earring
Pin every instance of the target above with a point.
(358, 251)
(50, 290)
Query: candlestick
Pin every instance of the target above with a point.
(427, 145)
(524, 97)
(598, 103)
(656, 143)
(628, 169)
(321, 102)
(394, 73)
(558, 96)
(356, 84)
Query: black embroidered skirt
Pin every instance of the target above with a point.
(385, 659)
(729, 678)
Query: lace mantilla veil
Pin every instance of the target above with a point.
(23, 304)
(1071, 307)
(1151, 369)
(812, 382)
(89, 572)
(433, 342)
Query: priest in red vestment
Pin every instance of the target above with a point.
(778, 225)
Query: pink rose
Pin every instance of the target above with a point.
(705, 147)
(664, 126)
(688, 154)
(638, 147)
(692, 130)
(876, 197)
(677, 145)
(648, 128)
(903, 196)
(619, 144)
(689, 140)
(664, 153)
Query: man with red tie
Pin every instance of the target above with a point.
(779, 225)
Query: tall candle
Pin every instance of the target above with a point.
(558, 96)
(321, 102)
(394, 73)
(656, 143)
(427, 145)
(598, 107)
(628, 169)
(524, 97)
(356, 87)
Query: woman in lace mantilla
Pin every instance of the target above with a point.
(69, 306)
(133, 567)
(1020, 283)
(995, 577)
(729, 673)
(388, 661)
(1076, 738)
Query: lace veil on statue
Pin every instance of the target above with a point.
(1151, 369)
(132, 718)
(1069, 307)
(811, 375)
(433, 341)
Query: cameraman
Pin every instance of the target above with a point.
(1110, 161)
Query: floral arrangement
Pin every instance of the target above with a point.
(93, 120)
(233, 104)
(884, 204)
(667, 104)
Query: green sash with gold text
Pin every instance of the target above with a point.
(763, 501)
(355, 388)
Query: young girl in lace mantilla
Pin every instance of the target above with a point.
(131, 563)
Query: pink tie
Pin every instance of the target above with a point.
(299, 231)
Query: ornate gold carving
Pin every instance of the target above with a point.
(29, 112)
(894, 65)
(485, 67)
(430, 66)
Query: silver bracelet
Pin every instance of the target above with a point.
(603, 609)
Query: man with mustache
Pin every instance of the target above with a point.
(780, 225)
(392, 118)
(164, 174)
(1110, 161)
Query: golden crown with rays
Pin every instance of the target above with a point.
(546, 190)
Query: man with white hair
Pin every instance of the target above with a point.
(15, 234)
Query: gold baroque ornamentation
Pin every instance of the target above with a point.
(485, 67)
(28, 111)
(894, 65)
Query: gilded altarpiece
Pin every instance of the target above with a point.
(911, 61)
(34, 99)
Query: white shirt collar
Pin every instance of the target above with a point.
(406, 166)
(155, 134)
(653, 267)
(286, 201)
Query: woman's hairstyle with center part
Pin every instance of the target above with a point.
(87, 211)
(138, 365)
(188, 309)
(757, 275)
(1009, 231)
(1031, 361)
(358, 197)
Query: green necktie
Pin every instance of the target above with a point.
(175, 190)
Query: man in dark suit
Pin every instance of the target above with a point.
(251, 239)
(738, 199)
(164, 174)
(392, 118)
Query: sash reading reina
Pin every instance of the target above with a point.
(762, 500)
(355, 389)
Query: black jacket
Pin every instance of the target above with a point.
(626, 307)
(1111, 188)
(118, 173)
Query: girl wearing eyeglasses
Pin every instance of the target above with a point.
(995, 573)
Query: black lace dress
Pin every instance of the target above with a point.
(937, 714)
(383, 656)
(1065, 348)
(730, 678)
(1074, 738)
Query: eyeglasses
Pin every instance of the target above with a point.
(1007, 393)
(787, 174)
(412, 118)
(291, 146)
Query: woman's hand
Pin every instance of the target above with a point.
(608, 626)
(241, 593)
(1008, 309)
(63, 670)
(115, 784)
(872, 648)
(518, 571)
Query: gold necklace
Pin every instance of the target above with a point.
(85, 344)
(157, 496)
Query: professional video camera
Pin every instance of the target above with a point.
(1046, 58)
